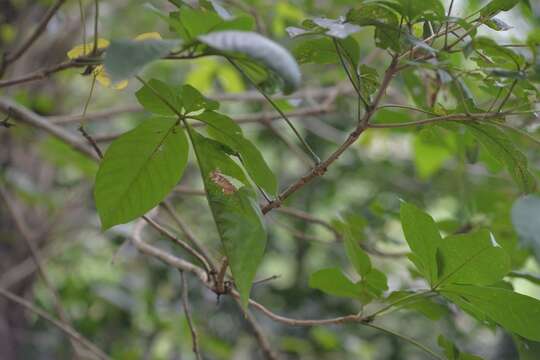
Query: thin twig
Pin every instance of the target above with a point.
(96, 25)
(66, 329)
(39, 30)
(187, 312)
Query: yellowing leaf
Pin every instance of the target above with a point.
(84, 49)
(104, 80)
(149, 35)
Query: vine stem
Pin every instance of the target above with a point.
(308, 148)
(354, 84)
(407, 339)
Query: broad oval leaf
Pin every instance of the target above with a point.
(236, 212)
(125, 58)
(471, 258)
(423, 238)
(139, 169)
(515, 312)
(259, 48)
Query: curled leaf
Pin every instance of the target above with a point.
(255, 46)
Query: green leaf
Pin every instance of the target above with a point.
(423, 238)
(369, 81)
(357, 257)
(452, 352)
(261, 49)
(385, 21)
(495, 55)
(226, 131)
(525, 218)
(496, 6)
(139, 169)
(375, 283)
(333, 282)
(497, 24)
(236, 213)
(427, 307)
(515, 312)
(125, 58)
(147, 97)
(158, 97)
(416, 11)
(502, 149)
(193, 100)
(471, 258)
(317, 51)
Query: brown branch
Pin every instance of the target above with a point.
(26, 116)
(189, 234)
(321, 168)
(187, 312)
(43, 73)
(165, 257)
(66, 329)
(180, 242)
(10, 58)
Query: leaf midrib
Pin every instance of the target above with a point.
(140, 170)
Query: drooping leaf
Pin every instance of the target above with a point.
(515, 312)
(526, 221)
(423, 238)
(497, 24)
(494, 55)
(125, 58)
(261, 49)
(236, 212)
(226, 131)
(452, 352)
(139, 169)
(502, 149)
(496, 6)
(472, 258)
